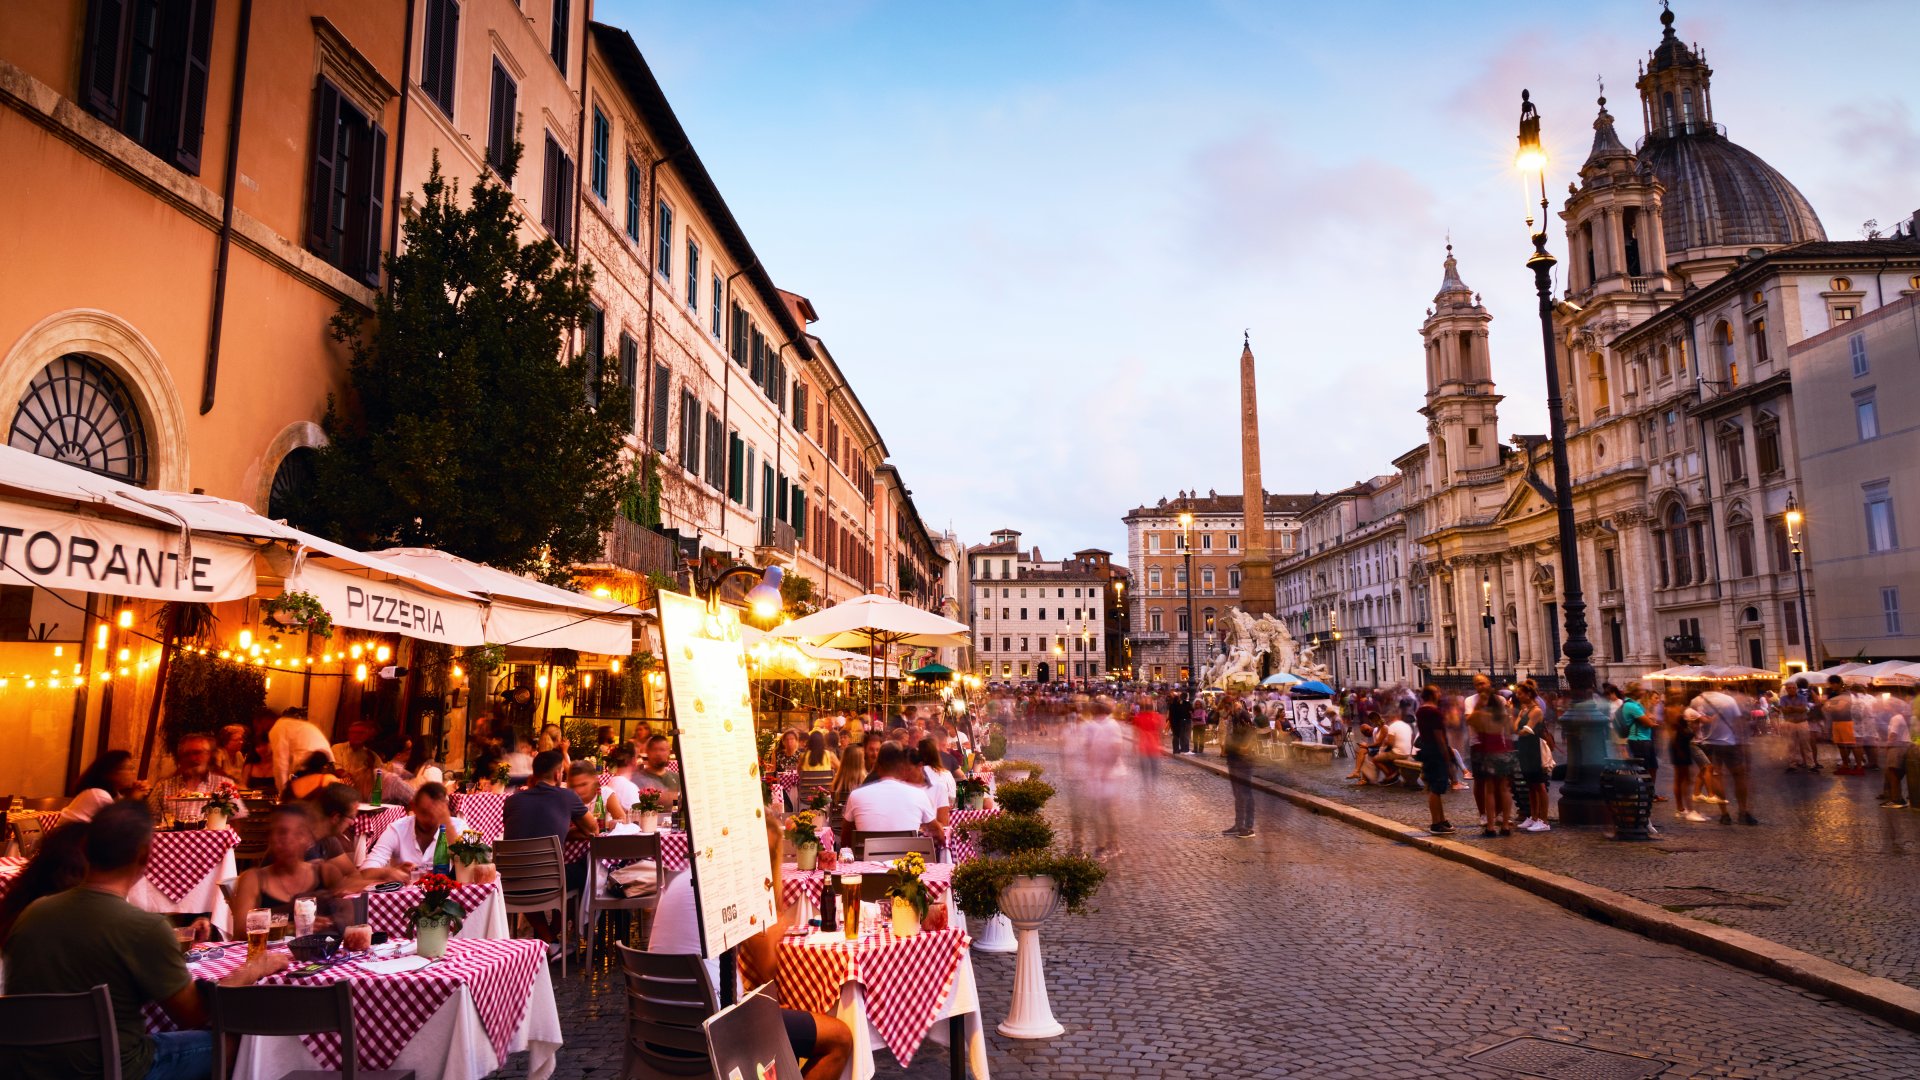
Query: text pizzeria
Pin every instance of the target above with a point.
(45, 553)
(393, 611)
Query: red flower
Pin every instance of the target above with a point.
(437, 883)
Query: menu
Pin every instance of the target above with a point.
(719, 770)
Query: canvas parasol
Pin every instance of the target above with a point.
(872, 622)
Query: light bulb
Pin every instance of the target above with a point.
(126, 618)
(246, 639)
(355, 650)
(360, 672)
(383, 654)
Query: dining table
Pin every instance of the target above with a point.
(184, 873)
(454, 1018)
(486, 914)
(891, 992)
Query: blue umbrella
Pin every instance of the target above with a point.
(1312, 688)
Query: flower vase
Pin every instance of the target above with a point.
(976, 800)
(649, 821)
(215, 819)
(906, 921)
(1027, 901)
(430, 938)
(466, 873)
(806, 856)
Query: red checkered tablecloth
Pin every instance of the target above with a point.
(389, 1010)
(388, 910)
(907, 980)
(673, 850)
(795, 884)
(371, 823)
(49, 819)
(959, 842)
(485, 812)
(787, 779)
(182, 860)
(9, 872)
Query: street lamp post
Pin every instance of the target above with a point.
(1333, 622)
(1585, 723)
(1086, 643)
(1794, 519)
(1186, 548)
(1486, 620)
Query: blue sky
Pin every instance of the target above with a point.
(1035, 231)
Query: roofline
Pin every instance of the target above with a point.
(622, 55)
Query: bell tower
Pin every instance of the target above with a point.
(1616, 238)
(1461, 408)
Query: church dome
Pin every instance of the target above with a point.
(1719, 194)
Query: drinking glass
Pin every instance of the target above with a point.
(850, 903)
(358, 938)
(278, 929)
(259, 925)
(303, 912)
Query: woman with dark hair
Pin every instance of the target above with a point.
(59, 865)
(313, 774)
(420, 763)
(941, 787)
(289, 874)
(113, 775)
(816, 761)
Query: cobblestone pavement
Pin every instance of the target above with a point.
(1828, 871)
(1319, 950)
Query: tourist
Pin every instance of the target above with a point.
(1237, 734)
(545, 808)
(1897, 748)
(334, 807)
(621, 765)
(113, 775)
(583, 778)
(519, 758)
(786, 755)
(657, 775)
(1180, 719)
(1533, 744)
(60, 864)
(1722, 724)
(870, 745)
(1493, 761)
(356, 760)
(1435, 755)
(314, 773)
(851, 774)
(889, 802)
(289, 873)
(817, 762)
(942, 788)
(193, 775)
(1795, 719)
(1680, 754)
(417, 764)
(1839, 710)
(409, 842)
(90, 936)
(231, 756)
(1395, 747)
(1148, 726)
(1636, 726)
(294, 739)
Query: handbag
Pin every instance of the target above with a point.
(1546, 757)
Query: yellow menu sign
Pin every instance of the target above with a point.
(719, 770)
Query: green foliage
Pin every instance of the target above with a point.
(464, 430)
(483, 659)
(647, 803)
(1023, 796)
(1033, 769)
(977, 884)
(188, 622)
(1009, 834)
(581, 736)
(996, 744)
(205, 693)
(296, 611)
(796, 595)
(640, 501)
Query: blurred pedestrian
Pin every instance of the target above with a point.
(1436, 756)
(1723, 732)
(1237, 744)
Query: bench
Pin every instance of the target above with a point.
(1321, 753)
(1410, 773)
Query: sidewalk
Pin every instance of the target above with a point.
(1827, 872)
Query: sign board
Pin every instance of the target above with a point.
(1313, 721)
(719, 770)
(57, 550)
(360, 603)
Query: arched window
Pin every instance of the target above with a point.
(1740, 542)
(293, 484)
(1677, 566)
(1725, 365)
(77, 411)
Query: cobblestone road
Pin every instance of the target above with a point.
(1828, 872)
(1318, 950)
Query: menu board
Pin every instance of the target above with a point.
(719, 770)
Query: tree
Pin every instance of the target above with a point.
(466, 431)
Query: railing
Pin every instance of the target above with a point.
(632, 546)
(1691, 127)
(776, 536)
(1685, 645)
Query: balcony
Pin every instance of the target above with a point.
(776, 544)
(1152, 637)
(1679, 645)
(635, 548)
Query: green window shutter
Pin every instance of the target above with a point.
(735, 470)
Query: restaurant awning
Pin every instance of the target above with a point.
(526, 612)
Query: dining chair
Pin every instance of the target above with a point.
(292, 1010)
(252, 848)
(811, 786)
(58, 1019)
(668, 999)
(854, 838)
(880, 848)
(629, 849)
(27, 835)
(746, 1038)
(533, 878)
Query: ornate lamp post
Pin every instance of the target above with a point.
(1486, 620)
(1186, 548)
(1794, 518)
(1585, 723)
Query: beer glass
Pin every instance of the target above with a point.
(850, 904)
(304, 909)
(259, 925)
(358, 939)
(278, 929)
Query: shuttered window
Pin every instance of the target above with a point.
(630, 378)
(345, 208)
(662, 386)
(602, 147)
(716, 452)
(593, 350)
(800, 404)
(556, 201)
(440, 51)
(503, 119)
(690, 432)
(736, 451)
(562, 30)
(145, 72)
(633, 201)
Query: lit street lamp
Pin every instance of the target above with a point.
(1584, 724)
(1794, 519)
(1486, 620)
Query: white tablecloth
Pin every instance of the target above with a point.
(963, 1000)
(206, 895)
(453, 1044)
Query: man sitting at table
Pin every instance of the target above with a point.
(891, 803)
(583, 779)
(547, 808)
(622, 763)
(823, 1042)
(409, 841)
(655, 775)
(192, 775)
(89, 935)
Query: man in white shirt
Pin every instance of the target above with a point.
(408, 843)
(293, 737)
(890, 804)
(620, 787)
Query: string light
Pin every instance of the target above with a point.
(125, 655)
(100, 636)
(586, 680)
(542, 680)
(457, 673)
(246, 639)
(360, 672)
(126, 618)
(355, 651)
(383, 654)
(615, 667)
(59, 650)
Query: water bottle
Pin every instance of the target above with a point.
(442, 860)
(379, 784)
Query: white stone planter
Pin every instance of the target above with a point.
(996, 936)
(1027, 901)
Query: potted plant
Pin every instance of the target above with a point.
(1027, 888)
(1011, 834)
(436, 917)
(222, 804)
(472, 857)
(972, 792)
(1017, 770)
(909, 893)
(297, 611)
(647, 809)
(806, 839)
(1023, 796)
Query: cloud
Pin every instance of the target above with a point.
(1880, 143)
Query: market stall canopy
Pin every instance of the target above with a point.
(1884, 673)
(1312, 688)
(932, 671)
(524, 612)
(1820, 676)
(874, 619)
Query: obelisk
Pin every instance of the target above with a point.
(1256, 565)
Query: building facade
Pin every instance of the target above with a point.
(1036, 620)
(1343, 590)
(1160, 634)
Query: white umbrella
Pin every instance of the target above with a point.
(1819, 678)
(872, 621)
(1281, 678)
(1884, 673)
(1684, 673)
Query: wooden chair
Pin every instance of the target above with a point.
(810, 786)
(252, 848)
(533, 878)
(882, 848)
(749, 1035)
(623, 849)
(27, 835)
(59, 1019)
(669, 997)
(291, 1010)
(44, 803)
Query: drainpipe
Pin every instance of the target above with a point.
(400, 133)
(217, 320)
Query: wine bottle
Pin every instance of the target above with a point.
(442, 860)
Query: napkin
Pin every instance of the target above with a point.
(396, 965)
